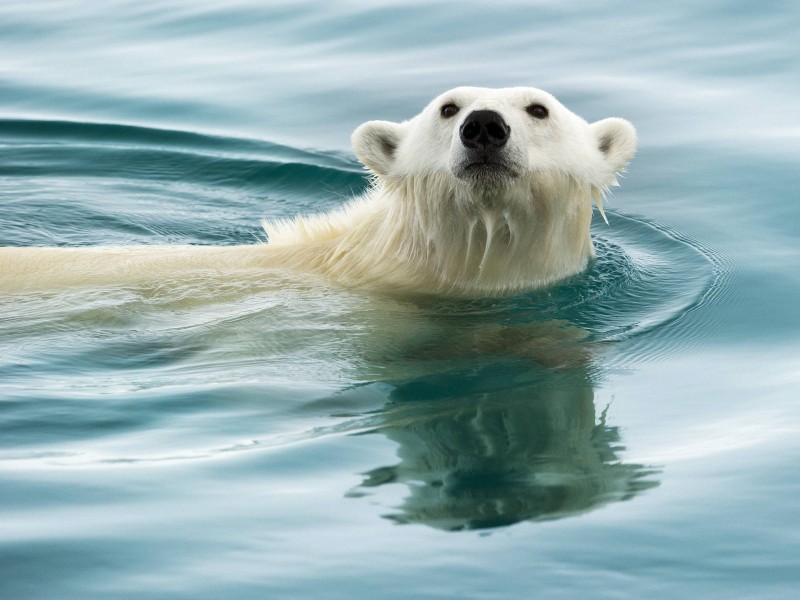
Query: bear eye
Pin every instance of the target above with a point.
(449, 110)
(538, 111)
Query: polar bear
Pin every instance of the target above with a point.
(486, 192)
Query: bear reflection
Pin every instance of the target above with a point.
(500, 444)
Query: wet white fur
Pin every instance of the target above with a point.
(419, 229)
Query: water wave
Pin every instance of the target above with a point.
(69, 183)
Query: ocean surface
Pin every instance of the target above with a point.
(633, 432)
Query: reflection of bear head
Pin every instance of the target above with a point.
(478, 453)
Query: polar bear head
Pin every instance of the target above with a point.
(485, 139)
(486, 192)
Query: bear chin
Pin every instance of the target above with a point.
(487, 174)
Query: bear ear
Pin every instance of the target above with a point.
(375, 144)
(616, 140)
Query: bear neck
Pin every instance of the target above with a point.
(455, 239)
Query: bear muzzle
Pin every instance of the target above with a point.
(484, 158)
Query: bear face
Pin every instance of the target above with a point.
(485, 139)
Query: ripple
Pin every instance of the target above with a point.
(671, 278)
(70, 183)
(647, 277)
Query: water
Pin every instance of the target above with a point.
(630, 433)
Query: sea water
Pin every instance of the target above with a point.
(629, 433)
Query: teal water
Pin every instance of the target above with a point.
(630, 433)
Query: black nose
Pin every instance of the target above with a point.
(484, 129)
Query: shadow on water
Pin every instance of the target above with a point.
(499, 444)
